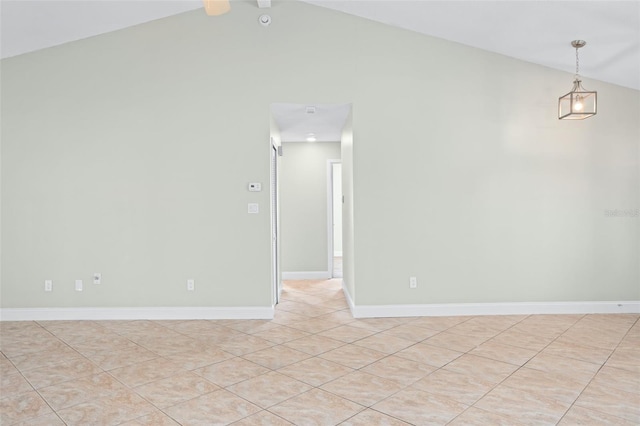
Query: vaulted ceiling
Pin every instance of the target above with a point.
(535, 31)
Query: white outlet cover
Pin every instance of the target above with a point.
(48, 285)
(78, 285)
(413, 282)
(191, 285)
(253, 208)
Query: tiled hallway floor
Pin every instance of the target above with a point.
(315, 365)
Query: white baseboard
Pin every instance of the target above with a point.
(366, 311)
(349, 298)
(522, 308)
(306, 275)
(168, 313)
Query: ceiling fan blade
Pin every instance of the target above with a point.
(216, 7)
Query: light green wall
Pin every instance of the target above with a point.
(129, 154)
(303, 205)
(484, 195)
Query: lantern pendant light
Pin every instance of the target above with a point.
(579, 103)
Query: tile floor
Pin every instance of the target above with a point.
(315, 365)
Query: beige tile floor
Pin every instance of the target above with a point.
(316, 365)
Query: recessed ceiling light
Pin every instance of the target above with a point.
(311, 137)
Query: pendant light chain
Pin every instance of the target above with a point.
(577, 64)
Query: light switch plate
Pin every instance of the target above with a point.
(255, 187)
(78, 285)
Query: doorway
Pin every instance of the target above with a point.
(306, 231)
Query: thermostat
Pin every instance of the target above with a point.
(255, 187)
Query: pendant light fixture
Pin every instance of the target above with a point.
(579, 103)
(216, 7)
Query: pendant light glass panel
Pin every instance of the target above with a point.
(578, 104)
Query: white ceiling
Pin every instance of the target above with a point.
(537, 31)
(28, 25)
(297, 121)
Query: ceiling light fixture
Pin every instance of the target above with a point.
(579, 103)
(311, 137)
(216, 7)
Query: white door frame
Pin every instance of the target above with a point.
(330, 250)
(276, 280)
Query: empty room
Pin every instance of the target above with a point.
(275, 212)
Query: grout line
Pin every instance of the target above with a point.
(596, 374)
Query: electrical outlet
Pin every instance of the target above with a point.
(78, 285)
(48, 285)
(413, 282)
(191, 285)
(97, 278)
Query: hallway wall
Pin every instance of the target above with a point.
(303, 206)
